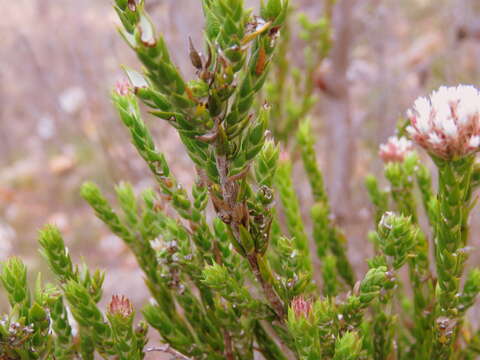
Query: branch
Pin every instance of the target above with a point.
(228, 345)
(167, 349)
(268, 289)
(238, 216)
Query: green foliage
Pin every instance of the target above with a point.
(348, 347)
(327, 236)
(291, 207)
(23, 332)
(396, 238)
(290, 89)
(128, 343)
(229, 263)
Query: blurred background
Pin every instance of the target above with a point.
(60, 59)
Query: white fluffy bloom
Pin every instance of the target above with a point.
(474, 141)
(395, 149)
(447, 123)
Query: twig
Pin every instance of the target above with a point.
(268, 289)
(167, 349)
(228, 345)
(236, 217)
(240, 175)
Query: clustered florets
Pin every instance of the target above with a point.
(447, 123)
(395, 149)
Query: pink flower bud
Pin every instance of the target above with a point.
(120, 305)
(395, 149)
(122, 87)
(301, 307)
(447, 123)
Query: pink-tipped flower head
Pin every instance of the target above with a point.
(120, 305)
(395, 149)
(447, 123)
(122, 87)
(301, 307)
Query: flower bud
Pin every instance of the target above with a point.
(122, 87)
(301, 307)
(120, 305)
(395, 149)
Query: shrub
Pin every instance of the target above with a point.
(237, 285)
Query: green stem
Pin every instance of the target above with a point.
(400, 177)
(451, 233)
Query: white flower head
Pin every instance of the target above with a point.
(395, 149)
(447, 123)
